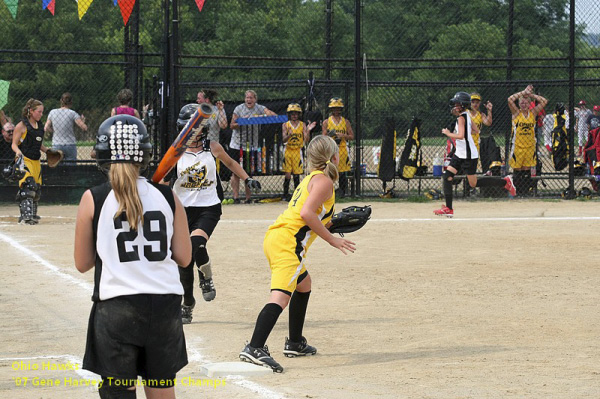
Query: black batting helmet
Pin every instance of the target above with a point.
(122, 139)
(462, 98)
(185, 114)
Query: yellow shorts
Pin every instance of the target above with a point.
(33, 169)
(292, 161)
(523, 158)
(344, 165)
(279, 247)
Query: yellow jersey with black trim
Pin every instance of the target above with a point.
(524, 130)
(296, 140)
(340, 128)
(291, 220)
(478, 120)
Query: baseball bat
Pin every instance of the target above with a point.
(187, 136)
(264, 157)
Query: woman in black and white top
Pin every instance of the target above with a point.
(196, 183)
(466, 156)
(134, 233)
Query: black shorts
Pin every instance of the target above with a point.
(135, 335)
(467, 166)
(203, 217)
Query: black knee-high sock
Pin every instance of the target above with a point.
(447, 185)
(267, 318)
(286, 186)
(186, 276)
(490, 181)
(200, 254)
(298, 305)
(296, 180)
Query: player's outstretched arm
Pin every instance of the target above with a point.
(319, 189)
(220, 153)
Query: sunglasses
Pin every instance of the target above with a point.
(10, 131)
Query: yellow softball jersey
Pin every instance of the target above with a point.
(478, 120)
(290, 220)
(296, 139)
(524, 130)
(288, 239)
(340, 128)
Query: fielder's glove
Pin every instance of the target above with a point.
(253, 185)
(350, 219)
(54, 157)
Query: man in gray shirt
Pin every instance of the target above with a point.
(245, 136)
(61, 121)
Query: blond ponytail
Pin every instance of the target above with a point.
(320, 152)
(123, 179)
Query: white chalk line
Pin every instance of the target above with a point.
(195, 354)
(51, 268)
(441, 219)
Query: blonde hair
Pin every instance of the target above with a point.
(319, 152)
(31, 105)
(123, 180)
(253, 93)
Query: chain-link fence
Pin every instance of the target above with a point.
(412, 57)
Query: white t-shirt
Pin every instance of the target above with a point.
(246, 133)
(196, 179)
(62, 125)
(136, 262)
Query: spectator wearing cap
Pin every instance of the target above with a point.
(6, 152)
(478, 117)
(581, 115)
(593, 120)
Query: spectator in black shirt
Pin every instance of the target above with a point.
(6, 152)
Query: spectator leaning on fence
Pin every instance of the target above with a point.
(218, 119)
(581, 115)
(125, 97)
(61, 121)
(523, 151)
(245, 137)
(6, 152)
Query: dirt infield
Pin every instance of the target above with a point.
(501, 302)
